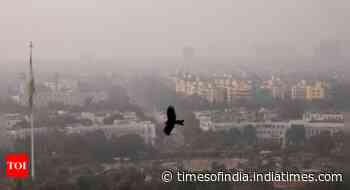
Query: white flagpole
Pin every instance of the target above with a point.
(31, 113)
(32, 139)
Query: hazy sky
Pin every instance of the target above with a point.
(108, 28)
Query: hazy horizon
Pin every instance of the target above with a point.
(107, 29)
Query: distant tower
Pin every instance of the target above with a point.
(56, 78)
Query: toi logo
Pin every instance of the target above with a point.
(17, 165)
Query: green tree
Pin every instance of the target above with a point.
(129, 146)
(296, 135)
(322, 143)
(249, 134)
(86, 183)
(291, 109)
(263, 97)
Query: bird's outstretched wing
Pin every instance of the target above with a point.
(171, 114)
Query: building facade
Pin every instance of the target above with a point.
(273, 131)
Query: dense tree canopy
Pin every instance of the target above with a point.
(296, 135)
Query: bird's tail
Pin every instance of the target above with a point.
(180, 122)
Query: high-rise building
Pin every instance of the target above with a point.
(316, 91)
(298, 91)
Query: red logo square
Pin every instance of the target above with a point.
(17, 165)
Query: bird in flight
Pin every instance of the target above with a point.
(171, 122)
